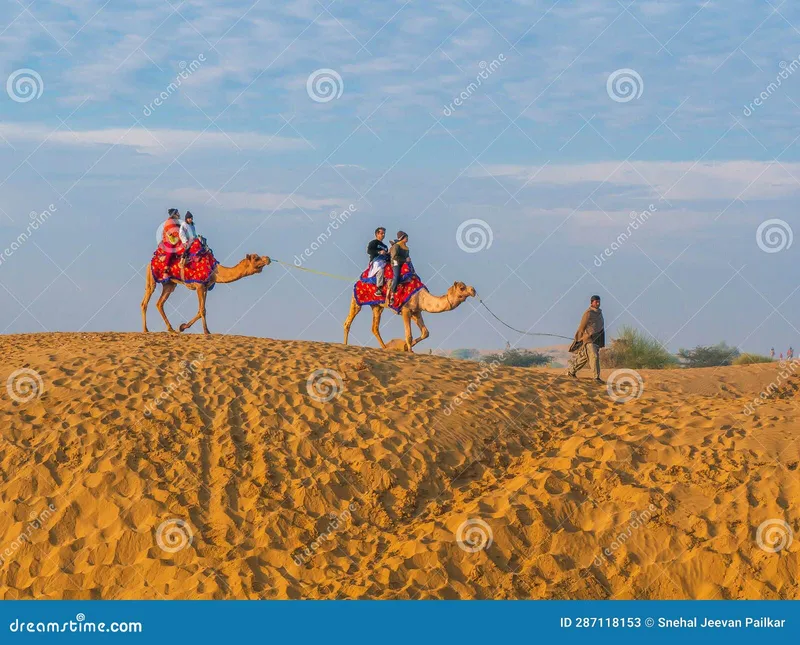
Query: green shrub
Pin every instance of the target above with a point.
(708, 356)
(519, 358)
(751, 359)
(635, 350)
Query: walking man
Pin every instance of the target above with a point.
(589, 338)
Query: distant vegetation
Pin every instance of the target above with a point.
(466, 354)
(635, 350)
(709, 356)
(750, 359)
(519, 358)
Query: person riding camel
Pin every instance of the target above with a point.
(399, 255)
(187, 234)
(378, 254)
(170, 241)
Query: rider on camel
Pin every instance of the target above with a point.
(171, 241)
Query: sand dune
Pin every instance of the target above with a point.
(133, 475)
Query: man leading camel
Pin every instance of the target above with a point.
(589, 338)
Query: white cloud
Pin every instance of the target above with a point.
(153, 142)
(670, 179)
(235, 201)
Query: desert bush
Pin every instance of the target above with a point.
(635, 350)
(708, 356)
(519, 358)
(751, 359)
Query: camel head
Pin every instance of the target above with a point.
(460, 292)
(255, 262)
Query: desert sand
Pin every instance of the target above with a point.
(134, 475)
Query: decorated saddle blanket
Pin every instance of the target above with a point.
(198, 266)
(364, 290)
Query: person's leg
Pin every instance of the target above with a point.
(379, 276)
(593, 353)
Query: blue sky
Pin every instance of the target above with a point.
(550, 157)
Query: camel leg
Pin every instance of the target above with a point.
(422, 329)
(201, 301)
(166, 290)
(354, 309)
(197, 317)
(149, 288)
(377, 311)
(407, 324)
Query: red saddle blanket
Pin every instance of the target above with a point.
(200, 263)
(364, 289)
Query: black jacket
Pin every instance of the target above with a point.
(374, 248)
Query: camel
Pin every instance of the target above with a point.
(250, 265)
(421, 301)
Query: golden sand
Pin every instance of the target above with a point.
(555, 489)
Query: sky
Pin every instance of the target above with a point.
(540, 151)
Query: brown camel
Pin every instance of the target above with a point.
(251, 265)
(421, 301)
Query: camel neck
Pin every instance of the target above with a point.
(436, 304)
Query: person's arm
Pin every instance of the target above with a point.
(580, 334)
(183, 234)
